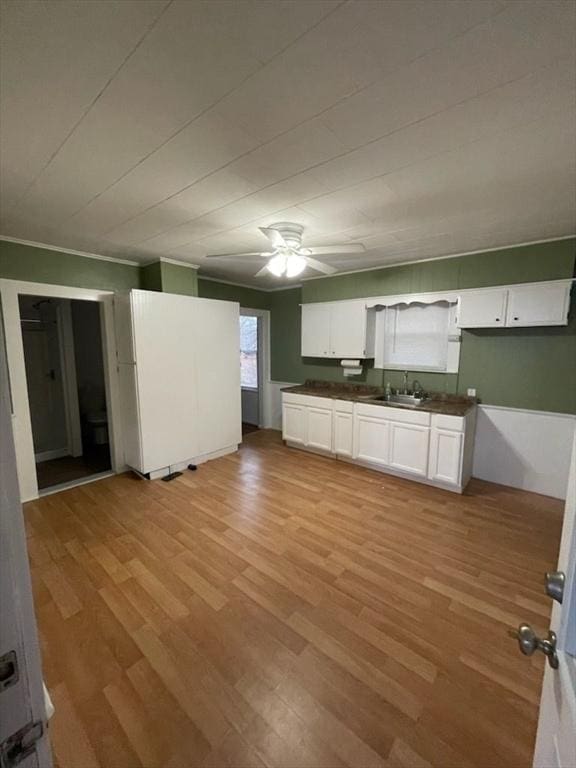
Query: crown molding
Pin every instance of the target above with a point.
(251, 287)
(58, 249)
(177, 263)
(440, 258)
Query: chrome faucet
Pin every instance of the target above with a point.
(405, 383)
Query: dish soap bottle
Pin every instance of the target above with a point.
(388, 391)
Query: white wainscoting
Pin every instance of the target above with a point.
(273, 404)
(524, 449)
(250, 406)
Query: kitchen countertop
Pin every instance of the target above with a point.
(439, 402)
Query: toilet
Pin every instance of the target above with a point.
(97, 423)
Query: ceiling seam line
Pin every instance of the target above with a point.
(277, 136)
(345, 154)
(148, 30)
(207, 109)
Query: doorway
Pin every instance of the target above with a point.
(254, 367)
(62, 343)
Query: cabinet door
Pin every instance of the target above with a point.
(483, 309)
(348, 329)
(319, 428)
(316, 330)
(216, 334)
(538, 305)
(371, 440)
(409, 448)
(343, 433)
(294, 423)
(446, 456)
(166, 378)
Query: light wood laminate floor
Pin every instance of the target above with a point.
(277, 608)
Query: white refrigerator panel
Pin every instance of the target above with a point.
(164, 346)
(123, 327)
(217, 344)
(129, 415)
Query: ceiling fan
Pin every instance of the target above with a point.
(288, 257)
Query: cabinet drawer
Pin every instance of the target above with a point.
(308, 400)
(443, 421)
(394, 414)
(343, 406)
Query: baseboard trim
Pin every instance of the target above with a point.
(55, 453)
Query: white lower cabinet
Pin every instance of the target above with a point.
(371, 439)
(409, 448)
(446, 447)
(432, 448)
(319, 428)
(343, 432)
(294, 423)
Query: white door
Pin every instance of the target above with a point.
(445, 456)
(556, 738)
(216, 332)
(164, 343)
(294, 423)
(316, 330)
(409, 448)
(483, 309)
(371, 440)
(348, 329)
(22, 707)
(538, 304)
(45, 390)
(319, 428)
(343, 433)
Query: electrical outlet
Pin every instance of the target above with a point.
(471, 392)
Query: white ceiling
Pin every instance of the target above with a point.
(146, 128)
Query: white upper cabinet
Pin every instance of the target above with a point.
(545, 304)
(483, 309)
(516, 306)
(339, 329)
(350, 335)
(316, 330)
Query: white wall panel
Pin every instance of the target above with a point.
(524, 449)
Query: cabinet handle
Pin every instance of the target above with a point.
(516, 318)
(497, 319)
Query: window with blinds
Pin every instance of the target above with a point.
(416, 336)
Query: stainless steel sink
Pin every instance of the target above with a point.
(407, 399)
(402, 401)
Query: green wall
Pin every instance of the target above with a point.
(40, 265)
(248, 297)
(522, 367)
(177, 279)
(527, 264)
(532, 368)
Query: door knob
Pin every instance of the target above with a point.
(528, 641)
(554, 585)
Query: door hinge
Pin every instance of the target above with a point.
(21, 744)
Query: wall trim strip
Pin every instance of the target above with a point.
(85, 254)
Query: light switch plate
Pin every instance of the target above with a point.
(471, 392)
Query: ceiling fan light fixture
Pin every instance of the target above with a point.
(295, 265)
(277, 265)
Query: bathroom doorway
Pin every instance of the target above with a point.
(62, 341)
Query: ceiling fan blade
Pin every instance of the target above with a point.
(274, 236)
(264, 255)
(328, 250)
(263, 271)
(319, 266)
